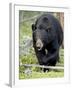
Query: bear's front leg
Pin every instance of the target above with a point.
(40, 55)
(50, 59)
(52, 56)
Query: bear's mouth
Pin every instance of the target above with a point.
(46, 51)
(39, 48)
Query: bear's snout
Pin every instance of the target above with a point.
(39, 45)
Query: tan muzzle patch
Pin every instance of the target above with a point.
(39, 44)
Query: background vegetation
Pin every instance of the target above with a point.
(26, 50)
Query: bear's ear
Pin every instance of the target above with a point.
(33, 27)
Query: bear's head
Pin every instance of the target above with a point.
(43, 33)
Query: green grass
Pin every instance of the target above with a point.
(36, 72)
(51, 74)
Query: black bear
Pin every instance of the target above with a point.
(47, 38)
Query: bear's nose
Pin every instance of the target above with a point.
(38, 46)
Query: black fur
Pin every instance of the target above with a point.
(48, 29)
